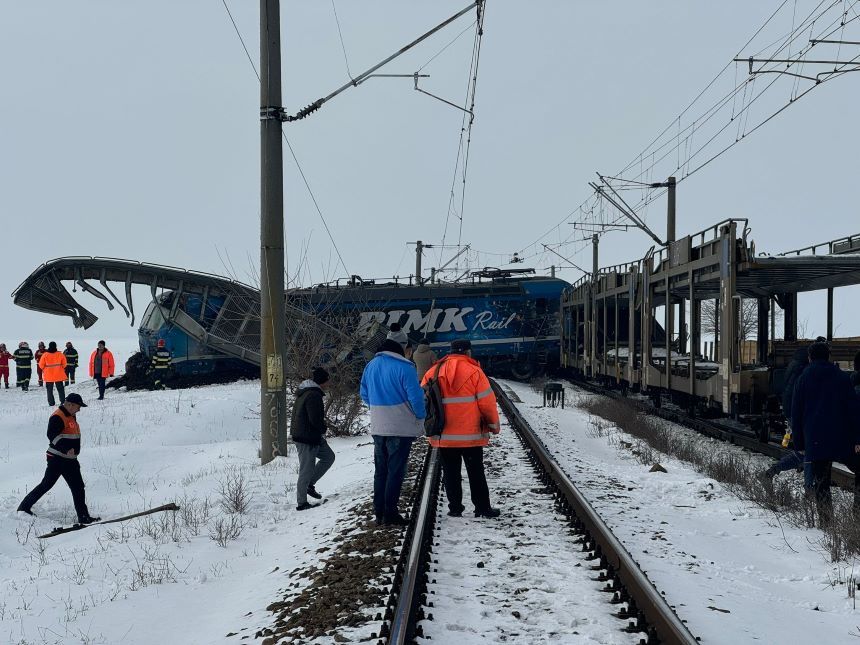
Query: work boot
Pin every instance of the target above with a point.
(455, 513)
(488, 512)
(380, 520)
(396, 520)
(306, 506)
(312, 491)
(88, 519)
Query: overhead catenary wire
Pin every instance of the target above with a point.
(340, 35)
(289, 145)
(679, 137)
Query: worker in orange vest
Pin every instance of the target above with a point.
(101, 366)
(64, 446)
(470, 417)
(52, 369)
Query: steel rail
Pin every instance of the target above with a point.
(405, 613)
(660, 617)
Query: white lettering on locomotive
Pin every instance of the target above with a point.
(436, 320)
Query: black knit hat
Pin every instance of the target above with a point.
(461, 346)
(319, 376)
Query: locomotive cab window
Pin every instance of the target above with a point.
(540, 306)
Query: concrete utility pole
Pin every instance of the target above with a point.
(419, 250)
(273, 426)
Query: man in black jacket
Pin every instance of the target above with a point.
(64, 445)
(307, 429)
(824, 421)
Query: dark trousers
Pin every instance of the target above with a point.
(451, 466)
(61, 390)
(68, 469)
(314, 462)
(23, 375)
(70, 374)
(791, 461)
(101, 381)
(390, 456)
(821, 482)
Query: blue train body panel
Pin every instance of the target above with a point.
(513, 323)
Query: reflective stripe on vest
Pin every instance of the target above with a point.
(462, 437)
(467, 399)
(54, 451)
(64, 436)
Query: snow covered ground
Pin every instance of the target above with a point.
(734, 573)
(162, 578)
(519, 578)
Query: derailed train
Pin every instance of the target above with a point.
(636, 325)
(211, 324)
(640, 324)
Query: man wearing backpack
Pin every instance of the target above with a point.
(389, 386)
(470, 412)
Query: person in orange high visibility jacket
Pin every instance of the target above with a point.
(52, 367)
(471, 416)
(101, 366)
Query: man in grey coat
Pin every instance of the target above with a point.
(307, 429)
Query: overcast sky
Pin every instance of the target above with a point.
(130, 129)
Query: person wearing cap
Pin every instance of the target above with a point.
(389, 386)
(23, 365)
(307, 429)
(471, 416)
(38, 357)
(101, 366)
(824, 421)
(72, 358)
(160, 366)
(4, 364)
(64, 446)
(52, 366)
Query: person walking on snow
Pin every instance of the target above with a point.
(824, 414)
(389, 386)
(307, 428)
(64, 446)
(4, 364)
(101, 366)
(52, 365)
(23, 365)
(71, 355)
(470, 416)
(38, 356)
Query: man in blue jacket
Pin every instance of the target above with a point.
(824, 421)
(389, 385)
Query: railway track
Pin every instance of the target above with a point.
(628, 595)
(744, 438)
